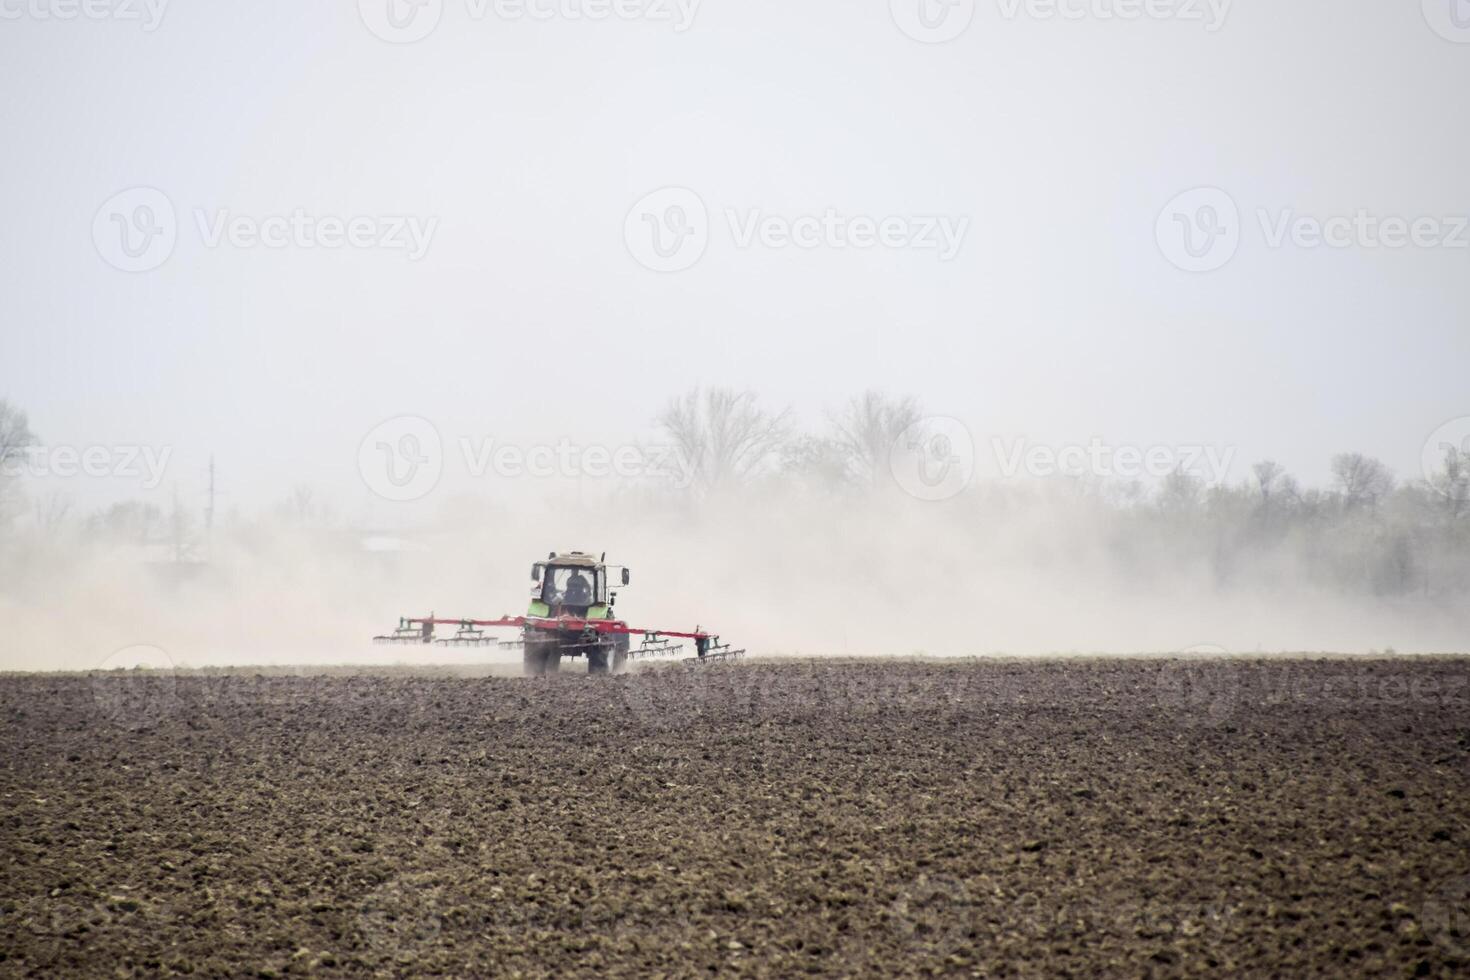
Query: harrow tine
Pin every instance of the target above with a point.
(468, 636)
(654, 645)
(713, 651)
(408, 631)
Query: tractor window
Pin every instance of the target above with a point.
(571, 586)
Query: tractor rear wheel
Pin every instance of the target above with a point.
(532, 663)
(597, 659)
(540, 658)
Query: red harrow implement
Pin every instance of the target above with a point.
(570, 616)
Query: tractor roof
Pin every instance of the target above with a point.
(575, 558)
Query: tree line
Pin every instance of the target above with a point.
(1367, 532)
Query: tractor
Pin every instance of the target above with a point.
(576, 587)
(571, 615)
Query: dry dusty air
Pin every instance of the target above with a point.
(672, 488)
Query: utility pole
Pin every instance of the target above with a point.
(209, 507)
(176, 525)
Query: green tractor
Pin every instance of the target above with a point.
(571, 614)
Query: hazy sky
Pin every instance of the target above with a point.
(517, 146)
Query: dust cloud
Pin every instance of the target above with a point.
(996, 570)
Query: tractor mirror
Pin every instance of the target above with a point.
(627, 576)
(536, 573)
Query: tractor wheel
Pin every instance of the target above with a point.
(619, 652)
(540, 658)
(532, 662)
(597, 658)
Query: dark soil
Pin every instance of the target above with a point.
(1124, 818)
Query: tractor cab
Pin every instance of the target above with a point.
(573, 584)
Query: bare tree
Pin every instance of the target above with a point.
(15, 437)
(1268, 473)
(181, 533)
(1362, 479)
(722, 437)
(51, 511)
(304, 508)
(1288, 489)
(1454, 481)
(866, 429)
(15, 433)
(815, 459)
(1181, 491)
(132, 521)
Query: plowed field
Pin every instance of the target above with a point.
(1118, 817)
